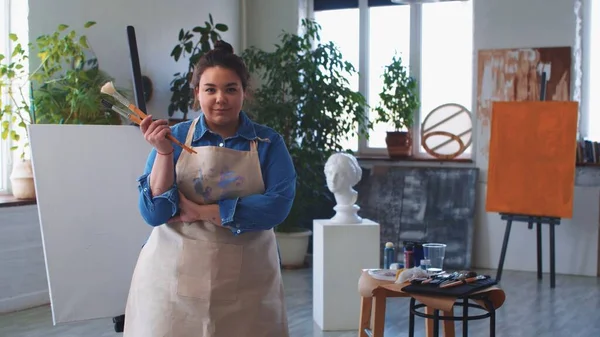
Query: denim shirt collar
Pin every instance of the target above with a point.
(246, 129)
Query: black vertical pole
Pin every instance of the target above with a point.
(138, 87)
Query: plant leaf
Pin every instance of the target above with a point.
(89, 24)
(221, 27)
(83, 42)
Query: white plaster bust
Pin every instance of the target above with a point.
(342, 172)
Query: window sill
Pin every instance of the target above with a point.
(7, 200)
(412, 159)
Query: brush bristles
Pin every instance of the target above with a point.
(108, 88)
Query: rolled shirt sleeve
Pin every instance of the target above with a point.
(156, 209)
(267, 210)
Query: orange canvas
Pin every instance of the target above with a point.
(532, 158)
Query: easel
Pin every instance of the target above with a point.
(530, 220)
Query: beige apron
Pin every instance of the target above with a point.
(200, 280)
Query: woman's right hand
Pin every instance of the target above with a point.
(155, 133)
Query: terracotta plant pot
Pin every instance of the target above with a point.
(399, 144)
(21, 180)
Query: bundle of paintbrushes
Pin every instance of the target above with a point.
(136, 115)
(447, 280)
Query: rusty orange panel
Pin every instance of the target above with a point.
(531, 166)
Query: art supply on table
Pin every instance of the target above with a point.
(408, 256)
(109, 89)
(465, 281)
(388, 255)
(418, 254)
(384, 274)
(434, 252)
(408, 274)
(396, 266)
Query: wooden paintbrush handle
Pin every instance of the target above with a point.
(186, 148)
(135, 119)
(142, 115)
(137, 111)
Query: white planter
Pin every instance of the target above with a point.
(21, 180)
(293, 247)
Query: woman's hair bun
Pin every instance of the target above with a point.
(223, 46)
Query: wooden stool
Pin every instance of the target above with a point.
(372, 315)
(374, 294)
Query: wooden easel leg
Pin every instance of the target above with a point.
(552, 258)
(366, 305)
(539, 250)
(503, 252)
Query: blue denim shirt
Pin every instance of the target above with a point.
(253, 212)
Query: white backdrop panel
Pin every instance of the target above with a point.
(87, 198)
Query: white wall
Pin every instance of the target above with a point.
(157, 25)
(267, 19)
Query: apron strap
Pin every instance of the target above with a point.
(254, 146)
(190, 134)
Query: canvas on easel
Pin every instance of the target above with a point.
(532, 158)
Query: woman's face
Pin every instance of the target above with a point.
(221, 96)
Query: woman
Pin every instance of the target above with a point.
(210, 268)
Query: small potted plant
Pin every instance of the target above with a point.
(398, 102)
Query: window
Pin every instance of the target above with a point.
(14, 15)
(345, 39)
(435, 40)
(4, 48)
(593, 125)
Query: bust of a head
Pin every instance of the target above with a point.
(342, 172)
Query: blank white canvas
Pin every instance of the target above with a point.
(92, 231)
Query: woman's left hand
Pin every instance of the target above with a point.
(189, 211)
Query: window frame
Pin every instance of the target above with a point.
(591, 50)
(414, 65)
(6, 155)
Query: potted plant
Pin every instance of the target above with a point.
(398, 102)
(63, 89)
(182, 98)
(306, 97)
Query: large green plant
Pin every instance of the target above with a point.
(15, 111)
(182, 98)
(67, 81)
(306, 96)
(399, 96)
(62, 89)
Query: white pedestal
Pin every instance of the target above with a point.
(340, 253)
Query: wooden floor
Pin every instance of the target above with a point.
(532, 309)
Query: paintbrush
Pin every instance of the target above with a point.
(121, 112)
(109, 89)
